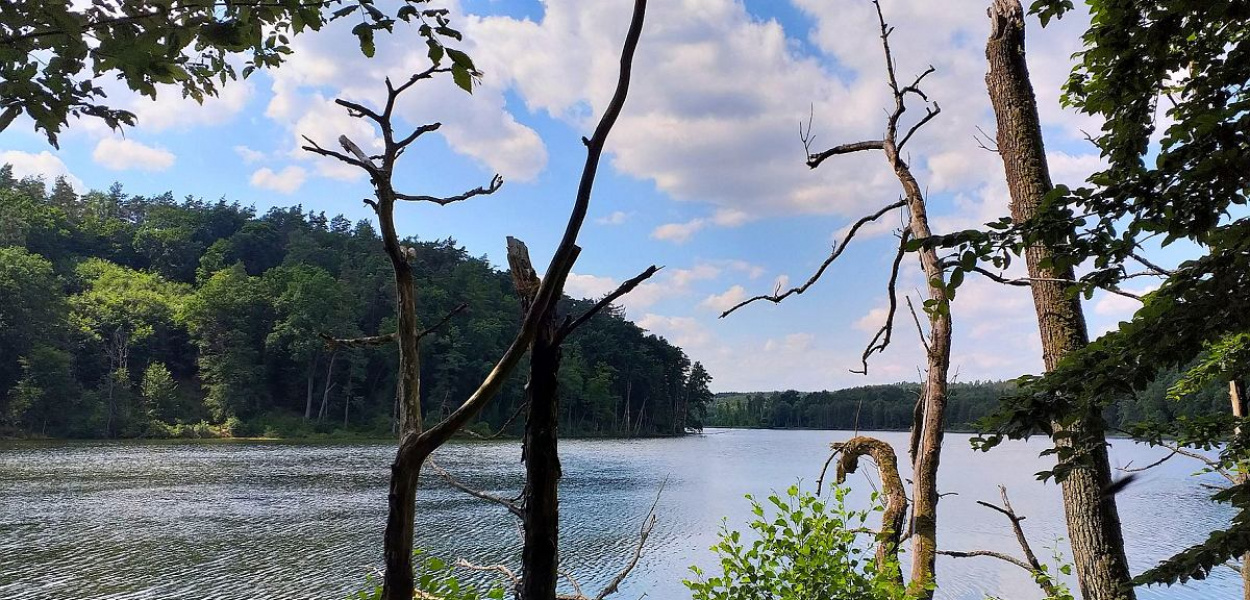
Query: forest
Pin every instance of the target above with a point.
(129, 316)
(1113, 186)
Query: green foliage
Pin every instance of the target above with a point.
(177, 316)
(436, 578)
(52, 54)
(802, 547)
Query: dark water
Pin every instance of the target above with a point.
(295, 521)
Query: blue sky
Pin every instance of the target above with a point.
(704, 173)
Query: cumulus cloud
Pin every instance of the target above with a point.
(43, 164)
(286, 181)
(616, 218)
(723, 302)
(589, 286)
(249, 155)
(122, 154)
(678, 232)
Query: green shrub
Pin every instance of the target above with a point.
(435, 577)
(809, 548)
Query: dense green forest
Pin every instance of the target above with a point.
(133, 316)
(890, 406)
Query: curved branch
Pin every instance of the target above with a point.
(495, 183)
(453, 482)
(887, 328)
(837, 251)
(814, 160)
(895, 513)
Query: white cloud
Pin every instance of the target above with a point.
(478, 126)
(249, 155)
(723, 302)
(44, 164)
(589, 286)
(172, 111)
(122, 154)
(616, 218)
(286, 181)
(682, 331)
(678, 232)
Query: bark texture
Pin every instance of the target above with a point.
(1092, 517)
(893, 520)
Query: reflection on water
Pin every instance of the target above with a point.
(304, 521)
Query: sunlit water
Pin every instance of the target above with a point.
(304, 521)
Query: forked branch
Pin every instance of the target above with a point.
(1029, 563)
(625, 288)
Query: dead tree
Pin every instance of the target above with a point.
(540, 509)
(416, 445)
(894, 519)
(1030, 563)
(1092, 517)
(927, 430)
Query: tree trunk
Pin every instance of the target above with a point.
(1237, 397)
(308, 393)
(325, 394)
(1093, 519)
(930, 428)
(540, 557)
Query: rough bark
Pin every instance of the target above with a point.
(1237, 397)
(1092, 517)
(893, 520)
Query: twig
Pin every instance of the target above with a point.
(1027, 281)
(919, 329)
(837, 251)
(814, 160)
(648, 524)
(1030, 562)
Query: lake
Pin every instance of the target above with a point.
(225, 519)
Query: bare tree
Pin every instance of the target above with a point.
(927, 430)
(417, 444)
(1092, 517)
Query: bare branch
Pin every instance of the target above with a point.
(624, 288)
(359, 342)
(453, 482)
(837, 251)
(317, 149)
(502, 570)
(360, 155)
(814, 160)
(881, 340)
(919, 330)
(1156, 269)
(431, 329)
(358, 110)
(1030, 562)
(648, 524)
(1027, 281)
(420, 131)
(928, 116)
(502, 428)
(495, 183)
(1129, 468)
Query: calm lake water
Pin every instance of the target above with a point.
(225, 520)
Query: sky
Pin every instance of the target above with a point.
(704, 173)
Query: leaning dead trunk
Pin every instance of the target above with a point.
(894, 518)
(1093, 519)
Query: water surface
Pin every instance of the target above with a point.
(235, 520)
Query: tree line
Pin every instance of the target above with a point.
(890, 407)
(137, 316)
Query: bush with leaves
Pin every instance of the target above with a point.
(435, 578)
(811, 547)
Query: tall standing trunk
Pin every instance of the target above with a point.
(1093, 519)
(401, 497)
(540, 514)
(929, 429)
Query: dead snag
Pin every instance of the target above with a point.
(1092, 517)
(893, 521)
